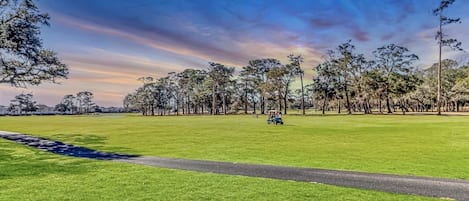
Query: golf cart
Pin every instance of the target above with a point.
(274, 117)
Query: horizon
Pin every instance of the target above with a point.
(107, 45)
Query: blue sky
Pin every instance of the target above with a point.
(108, 44)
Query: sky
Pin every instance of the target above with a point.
(109, 44)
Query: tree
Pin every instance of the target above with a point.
(450, 74)
(85, 101)
(23, 59)
(295, 70)
(220, 76)
(442, 41)
(67, 104)
(325, 82)
(342, 59)
(395, 63)
(144, 96)
(362, 94)
(403, 84)
(423, 97)
(375, 81)
(189, 87)
(184, 89)
(137, 100)
(262, 67)
(461, 92)
(174, 90)
(23, 103)
(276, 83)
(250, 83)
(130, 102)
(197, 89)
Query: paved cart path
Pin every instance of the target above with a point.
(425, 186)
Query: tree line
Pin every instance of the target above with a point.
(387, 82)
(81, 103)
(261, 85)
(345, 81)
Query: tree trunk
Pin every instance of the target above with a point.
(254, 104)
(369, 107)
(279, 100)
(246, 98)
(262, 105)
(339, 106)
(403, 108)
(302, 95)
(432, 102)
(188, 105)
(183, 106)
(285, 104)
(224, 103)
(388, 104)
(446, 105)
(380, 105)
(324, 103)
(349, 110)
(439, 65)
(285, 96)
(214, 100)
(177, 106)
(365, 106)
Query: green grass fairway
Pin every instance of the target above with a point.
(415, 145)
(407, 145)
(28, 174)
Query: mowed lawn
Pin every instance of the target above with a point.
(406, 145)
(28, 174)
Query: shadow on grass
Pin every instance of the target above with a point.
(94, 141)
(16, 161)
(61, 148)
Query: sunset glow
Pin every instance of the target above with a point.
(108, 44)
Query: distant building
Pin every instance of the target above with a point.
(44, 109)
(110, 109)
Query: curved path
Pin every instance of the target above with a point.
(425, 186)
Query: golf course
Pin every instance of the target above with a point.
(415, 145)
(326, 100)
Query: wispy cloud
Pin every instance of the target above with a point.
(117, 41)
(170, 42)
